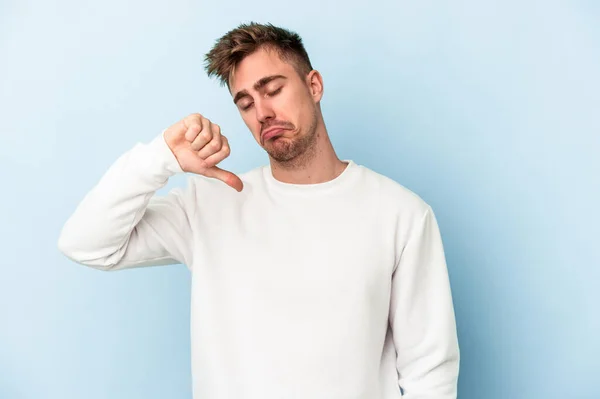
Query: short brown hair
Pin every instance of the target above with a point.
(244, 40)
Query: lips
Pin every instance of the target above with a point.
(270, 133)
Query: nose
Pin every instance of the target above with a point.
(264, 111)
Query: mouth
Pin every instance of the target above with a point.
(271, 133)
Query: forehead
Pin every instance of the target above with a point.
(257, 65)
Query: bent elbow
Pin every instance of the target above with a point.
(73, 249)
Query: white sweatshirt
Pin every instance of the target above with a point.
(337, 290)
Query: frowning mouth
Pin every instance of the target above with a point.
(273, 132)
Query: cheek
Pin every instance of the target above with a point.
(301, 116)
(288, 109)
(298, 108)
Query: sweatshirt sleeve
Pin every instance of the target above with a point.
(121, 223)
(422, 316)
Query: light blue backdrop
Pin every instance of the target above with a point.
(488, 110)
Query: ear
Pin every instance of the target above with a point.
(314, 81)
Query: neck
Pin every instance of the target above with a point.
(317, 164)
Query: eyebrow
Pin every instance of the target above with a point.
(257, 86)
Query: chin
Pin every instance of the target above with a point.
(284, 149)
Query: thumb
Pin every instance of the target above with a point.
(225, 176)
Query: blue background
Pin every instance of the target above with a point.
(488, 110)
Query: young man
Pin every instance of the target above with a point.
(314, 278)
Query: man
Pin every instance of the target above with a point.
(315, 278)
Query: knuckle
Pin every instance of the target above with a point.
(193, 119)
(206, 135)
(225, 147)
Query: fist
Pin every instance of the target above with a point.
(199, 146)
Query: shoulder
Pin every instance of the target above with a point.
(392, 194)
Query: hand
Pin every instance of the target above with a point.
(199, 146)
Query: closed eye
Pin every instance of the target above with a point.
(274, 93)
(270, 94)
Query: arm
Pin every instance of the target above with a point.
(422, 316)
(121, 223)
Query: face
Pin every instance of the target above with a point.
(278, 105)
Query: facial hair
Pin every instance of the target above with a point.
(294, 152)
